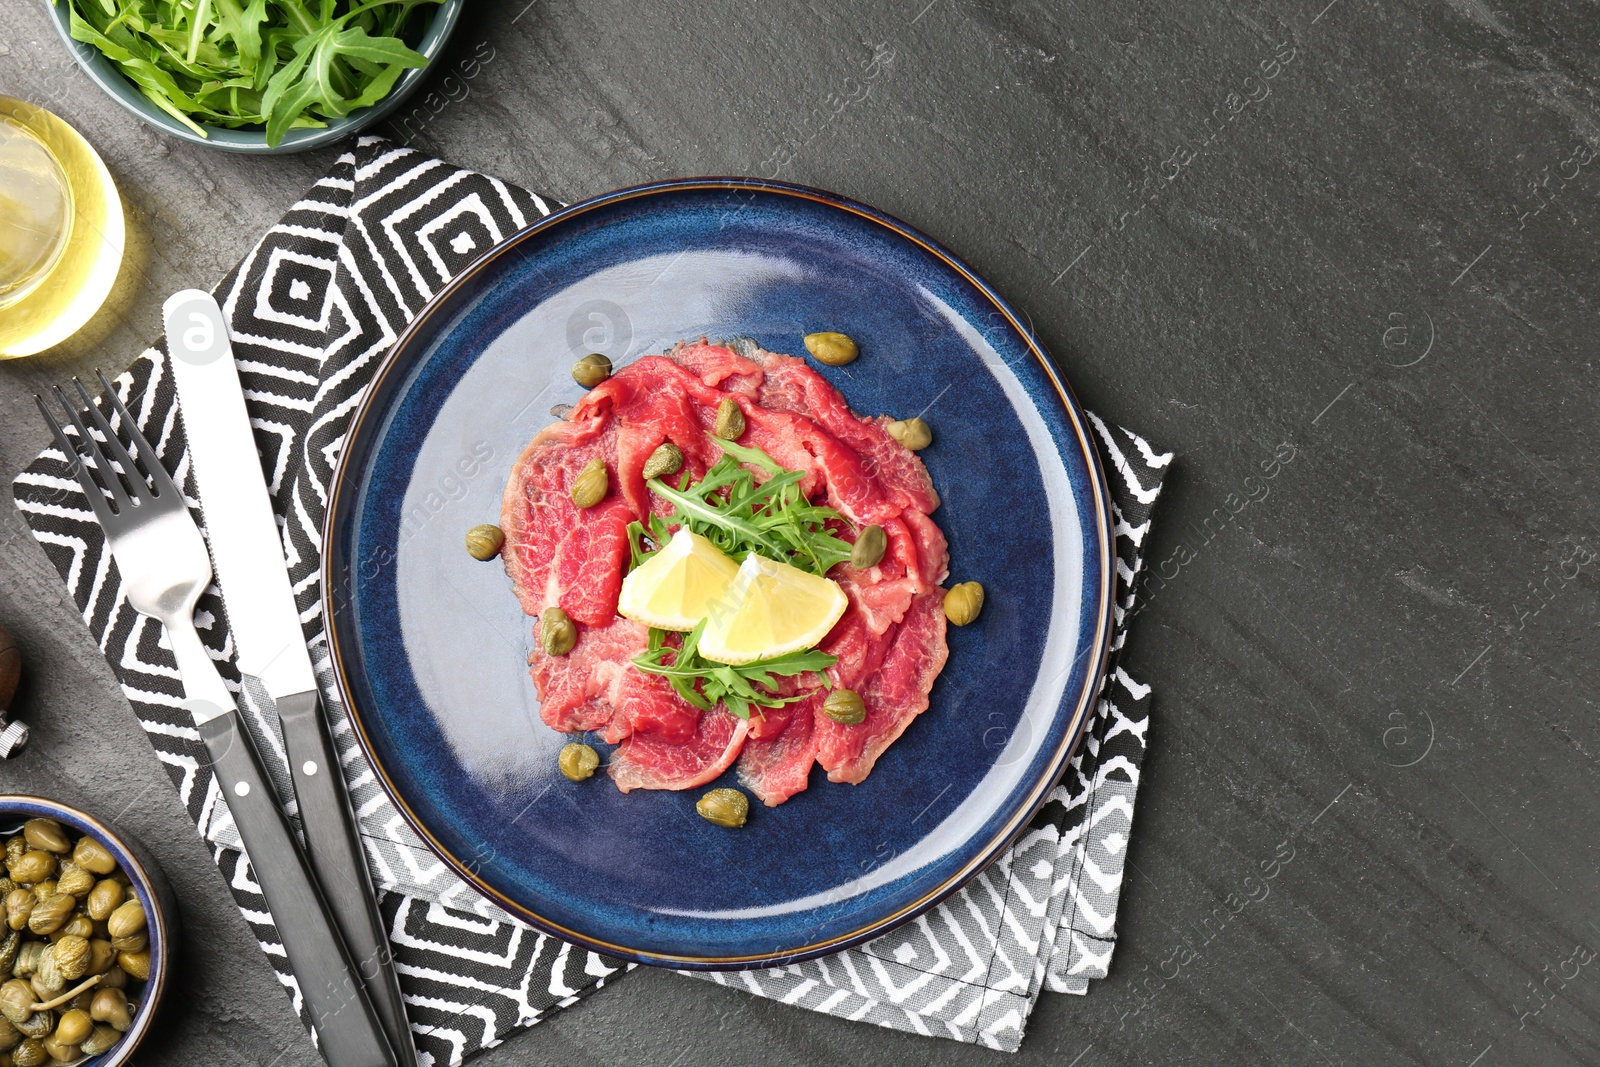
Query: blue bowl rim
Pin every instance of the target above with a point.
(104, 73)
(150, 886)
(339, 490)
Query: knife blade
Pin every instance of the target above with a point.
(247, 551)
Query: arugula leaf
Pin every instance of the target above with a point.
(281, 64)
(705, 683)
(772, 518)
(637, 535)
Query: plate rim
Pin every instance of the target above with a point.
(1093, 679)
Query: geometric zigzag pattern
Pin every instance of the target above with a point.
(311, 310)
(1043, 916)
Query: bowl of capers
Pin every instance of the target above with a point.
(86, 942)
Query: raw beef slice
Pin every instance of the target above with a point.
(890, 643)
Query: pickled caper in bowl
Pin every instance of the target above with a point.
(87, 938)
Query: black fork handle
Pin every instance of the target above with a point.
(334, 847)
(348, 1031)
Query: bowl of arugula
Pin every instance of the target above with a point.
(268, 76)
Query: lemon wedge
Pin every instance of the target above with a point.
(771, 608)
(679, 585)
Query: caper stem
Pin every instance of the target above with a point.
(88, 983)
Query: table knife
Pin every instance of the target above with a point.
(247, 550)
(165, 568)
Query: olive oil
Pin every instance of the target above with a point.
(61, 229)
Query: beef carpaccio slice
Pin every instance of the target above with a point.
(890, 641)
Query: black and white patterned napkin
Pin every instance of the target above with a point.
(312, 310)
(1043, 915)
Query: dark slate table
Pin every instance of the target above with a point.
(1351, 234)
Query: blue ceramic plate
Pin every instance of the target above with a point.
(431, 645)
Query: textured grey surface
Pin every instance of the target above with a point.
(1415, 586)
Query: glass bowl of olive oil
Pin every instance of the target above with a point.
(61, 230)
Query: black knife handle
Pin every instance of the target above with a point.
(334, 847)
(348, 1031)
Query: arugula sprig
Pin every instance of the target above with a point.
(283, 64)
(739, 516)
(704, 682)
(657, 535)
(772, 519)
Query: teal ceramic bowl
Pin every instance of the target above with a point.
(104, 73)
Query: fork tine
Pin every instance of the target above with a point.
(91, 488)
(164, 487)
(130, 473)
(91, 448)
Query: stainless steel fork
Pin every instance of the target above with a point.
(157, 547)
(165, 567)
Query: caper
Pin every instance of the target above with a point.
(16, 1001)
(104, 898)
(8, 1035)
(834, 349)
(913, 433)
(137, 964)
(845, 706)
(101, 956)
(10, 948)
(51, 914)
(115, 978)
(73, 1027)
(557, 635)
(591, 370)
(16, 845)
(99, 1041)
(591, 484)
(74, 880)
(963, 602)
(33, 867)
(77, 925)
(725, 807)
(730, 420)
(28, 958)
(126, 920)
(61, 1051)
(869, 548)
(30, 1053)
(46, 835)
(6, 886)
(484, 541)
(132, 943)
(666, 460)
(44, 890)
(48, 980)
(110, 1006)
(578, 761)
(19, 905)
(93, 856)
(72, 957)
(40, 1024)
